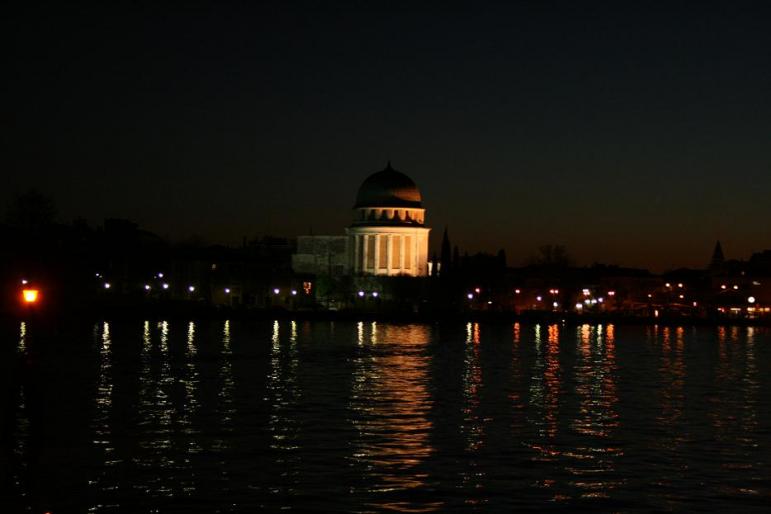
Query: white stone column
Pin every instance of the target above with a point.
(389, 253)
(365, 250)
(376, 266)
(401, 252)
(414, 254)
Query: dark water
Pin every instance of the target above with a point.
(243, 416)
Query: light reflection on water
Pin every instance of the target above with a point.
(22, 346)
(103, 400)
(236, 416)
(593, 463)
(390, 404)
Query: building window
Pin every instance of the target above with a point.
(396, 252)
(383, 259)
(407, 252)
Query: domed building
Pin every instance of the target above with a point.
(388, 235)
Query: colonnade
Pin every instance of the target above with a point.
(385, 253)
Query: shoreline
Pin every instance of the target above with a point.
(205, 313)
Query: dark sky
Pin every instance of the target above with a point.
(633, 134)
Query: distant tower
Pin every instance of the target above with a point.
(388, 235)
(717, 257)
(446, 258)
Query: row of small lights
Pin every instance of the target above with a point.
(30, 295)
(277, 291)
(586, 292)
(165, 285)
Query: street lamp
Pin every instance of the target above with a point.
(30, 295)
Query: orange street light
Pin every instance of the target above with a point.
(30, 295)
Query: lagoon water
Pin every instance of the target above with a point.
(239, 416)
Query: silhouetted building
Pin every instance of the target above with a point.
(321, 255)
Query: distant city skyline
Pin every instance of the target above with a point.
(632, 137)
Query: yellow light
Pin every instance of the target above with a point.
(30, 295)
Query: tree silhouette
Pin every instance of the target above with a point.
(551, 256)
(31, 211)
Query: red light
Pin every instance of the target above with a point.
(30, 295)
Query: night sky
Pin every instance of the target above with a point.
(634, 135)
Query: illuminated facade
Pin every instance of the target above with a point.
(388, 235)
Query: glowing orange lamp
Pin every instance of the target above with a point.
(30, 296)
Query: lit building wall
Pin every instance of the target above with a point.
(389, 250)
